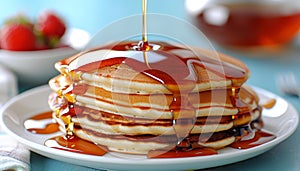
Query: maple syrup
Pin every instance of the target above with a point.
(175, 153)
(258, 138)
(41, 124)
(269, 104)
(75, 144)
(144, 13)
(263, 23)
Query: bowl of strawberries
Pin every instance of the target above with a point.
(30, 48)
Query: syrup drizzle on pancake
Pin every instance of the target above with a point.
(173, 71)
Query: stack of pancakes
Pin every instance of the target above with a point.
(134, 101)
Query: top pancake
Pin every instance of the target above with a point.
(128, 73)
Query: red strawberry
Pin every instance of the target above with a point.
(51, 27)
(19, 19)
(17, 37)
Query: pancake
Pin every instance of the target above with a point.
(135, 102)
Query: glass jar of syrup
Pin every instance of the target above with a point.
(251, 23)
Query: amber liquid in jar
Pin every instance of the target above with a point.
(249, 24)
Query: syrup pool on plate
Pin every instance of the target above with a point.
(41, 124)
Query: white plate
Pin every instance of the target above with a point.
(35, 101)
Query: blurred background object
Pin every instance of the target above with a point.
(8, 83)
(251, 23)
(35, 68)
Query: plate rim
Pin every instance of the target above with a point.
(128, 162)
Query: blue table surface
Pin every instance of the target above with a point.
(93, 15)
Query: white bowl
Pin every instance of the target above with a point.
(34, 68)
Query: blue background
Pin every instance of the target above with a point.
(91, 15)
